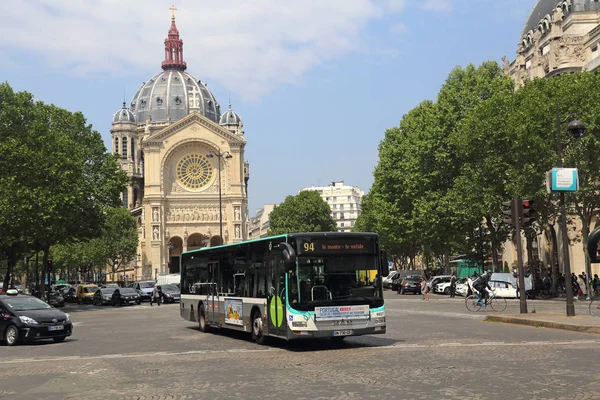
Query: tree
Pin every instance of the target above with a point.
(119, 240)
(305, 212)
(57, 178)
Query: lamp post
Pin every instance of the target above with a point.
(577, 129)
(219, 155)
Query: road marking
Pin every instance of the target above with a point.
(400, 346)
(135, 355)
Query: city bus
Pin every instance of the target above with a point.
(293, 286)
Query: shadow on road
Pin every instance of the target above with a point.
(307, 344)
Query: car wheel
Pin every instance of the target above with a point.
(447, 291)
(138, 302)
(11, 335)
(59, 339)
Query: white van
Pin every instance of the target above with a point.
(168, 279)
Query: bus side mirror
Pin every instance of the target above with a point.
(288, 253)
(592, 245)
(385, 268)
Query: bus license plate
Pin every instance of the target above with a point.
(56, 328)
(347, 332)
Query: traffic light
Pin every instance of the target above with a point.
(49, 264)
(527, 212)
(507, 211)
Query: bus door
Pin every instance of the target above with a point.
(277, 295)
(213, 293)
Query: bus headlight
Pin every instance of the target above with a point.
(299, 324)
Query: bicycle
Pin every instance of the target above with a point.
(595, 307)
(475, 303)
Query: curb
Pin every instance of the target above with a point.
(543, 324)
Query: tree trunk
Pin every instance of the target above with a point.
(585, 232)
(553, 260)
(494, 243)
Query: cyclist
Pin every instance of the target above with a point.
(482, 284)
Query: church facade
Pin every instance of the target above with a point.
(185, 160)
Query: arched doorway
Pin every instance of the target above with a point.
(197, 241)
(175, 248)
(216, 241)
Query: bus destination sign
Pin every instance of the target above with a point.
(337, 246)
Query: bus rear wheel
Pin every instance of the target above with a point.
(202, 320)
(257, 329)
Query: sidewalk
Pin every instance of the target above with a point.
(580, 323)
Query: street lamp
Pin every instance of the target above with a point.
(219, 155)
(577, 129)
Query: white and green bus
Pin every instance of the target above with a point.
(294, 286)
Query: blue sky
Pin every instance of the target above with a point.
(316, 82)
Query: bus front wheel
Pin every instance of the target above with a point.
(257, 329)
(202, 320)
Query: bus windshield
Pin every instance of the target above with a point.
(334, 280)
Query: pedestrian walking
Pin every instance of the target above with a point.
(582, 286)
(424, 289)
(156, 296)
(452, 285)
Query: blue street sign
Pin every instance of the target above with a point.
(565, 180)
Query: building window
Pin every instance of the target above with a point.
(351, 223)
(341, 206)
(342, 224)
(334, 199)
(125, 199)
(124, 147)
(349, 198)
(334, 206)
(341, 215)
(326, 198)
(132, 148)
(117, 145)
(351, 205)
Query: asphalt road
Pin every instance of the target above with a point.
(432, 350)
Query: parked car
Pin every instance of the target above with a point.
(437, 279)
(462, 287)
(27, 318)
(387, 281)
(55, 299)
(504, 289)
(103, 296)
(85, 293)
(70, 294)
(144, 289)
(443, 287)
(171, 293)
(411, 284)
(122, 296)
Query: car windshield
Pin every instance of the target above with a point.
(413, 280)
(170, 288)
(329, 281)
(25, 303)
(90, 289)
(146, 285)
(108, 290)
(128, 291)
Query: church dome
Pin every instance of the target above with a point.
(173, 93)
(124, 116)
(230, 117)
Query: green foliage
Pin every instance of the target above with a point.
(57, 178)
(305, 212)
